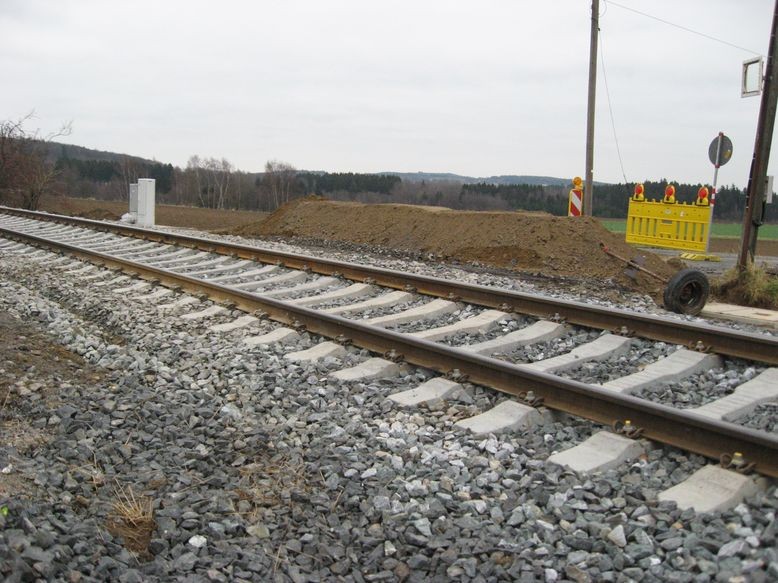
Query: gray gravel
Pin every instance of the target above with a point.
(641, 354)
(514, 323)
(258, 469)
(764, 418)
(299, 294)
(544, 350)
(415, 302)
(702, 388)
(465, 311)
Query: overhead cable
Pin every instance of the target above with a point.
(685, 28)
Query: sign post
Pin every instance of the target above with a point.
(719, 153)
(588, 202)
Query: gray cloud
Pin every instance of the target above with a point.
(496, 87)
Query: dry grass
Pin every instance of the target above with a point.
(133, 520)
(91, 471)
(268, 483)
(276, 480)
(752, 287)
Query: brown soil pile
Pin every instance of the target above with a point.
(529, 242)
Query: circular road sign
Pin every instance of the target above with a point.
(724, 154)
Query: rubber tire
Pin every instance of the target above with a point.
(686, 292)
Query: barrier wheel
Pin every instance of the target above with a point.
(686, 292)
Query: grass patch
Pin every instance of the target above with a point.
(133, 520)
(752, 287)
(720, 230)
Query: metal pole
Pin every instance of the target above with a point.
(764, 136)
(588, 201)
(712, 200)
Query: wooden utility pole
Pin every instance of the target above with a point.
(757, 179)
(588, 202)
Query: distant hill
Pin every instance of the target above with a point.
(56, 150)
(504, 179)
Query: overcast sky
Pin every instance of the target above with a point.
(476, 88)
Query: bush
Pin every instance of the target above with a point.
(752, 287)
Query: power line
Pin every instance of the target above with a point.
(702, 34)
(610, 109)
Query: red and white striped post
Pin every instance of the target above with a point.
(575, 198)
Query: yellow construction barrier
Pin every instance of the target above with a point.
(670, 225)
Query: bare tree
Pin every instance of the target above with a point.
(279, 180)
(38, 175)
(11, 136)
(238, 188)
(212, 180)
(129, 171)
(220, 179)
(194, 174)
(24, 168)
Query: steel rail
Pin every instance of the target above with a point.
(726, 341)
(661, 423)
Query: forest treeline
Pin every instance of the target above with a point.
(214, 183)
(31, 166)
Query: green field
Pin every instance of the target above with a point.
(720, 230)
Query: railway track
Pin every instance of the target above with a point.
(351, 304)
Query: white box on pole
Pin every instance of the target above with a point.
(146, 202)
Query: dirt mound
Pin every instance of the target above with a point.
(529, 242)
(99, 214)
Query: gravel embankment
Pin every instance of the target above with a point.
(258, 469)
